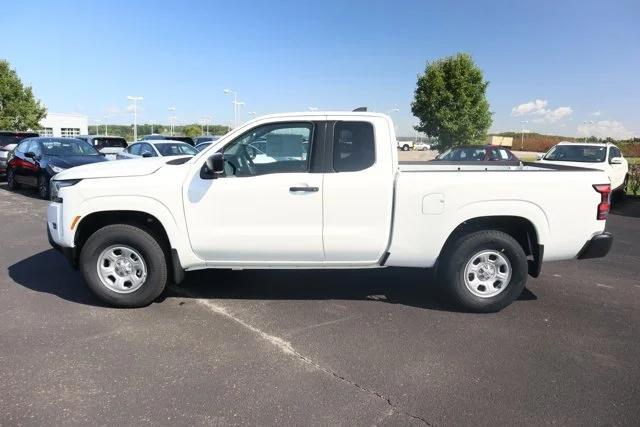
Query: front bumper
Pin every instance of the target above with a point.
(69, 253)
(597, 247)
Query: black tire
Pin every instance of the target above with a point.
(11, 180)
(461, 253)
(405, 147)
(43, 186)
(145, 244)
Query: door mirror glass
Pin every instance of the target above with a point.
(215, 163)
(616, 160)
(30, 155)
(147, 154)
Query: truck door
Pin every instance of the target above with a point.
(358, 189)
(267, 206)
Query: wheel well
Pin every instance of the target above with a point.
(519, 228)
(95, 221)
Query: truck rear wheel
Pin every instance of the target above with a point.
(124, 266)
(485, 271)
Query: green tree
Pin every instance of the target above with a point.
(192, 130)
(450, 102)
(19, 110)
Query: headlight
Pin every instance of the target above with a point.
(55, 186)
(56, 169)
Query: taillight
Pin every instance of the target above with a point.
(605, 200)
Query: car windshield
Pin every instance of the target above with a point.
(577, 153)
(68, 147)
(463, 154)
(175, 149)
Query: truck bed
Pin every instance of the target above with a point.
(475, 166)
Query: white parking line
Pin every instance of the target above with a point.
(600, 285)
(557, 275)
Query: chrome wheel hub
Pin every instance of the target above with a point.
(121, 269)
(487, 273)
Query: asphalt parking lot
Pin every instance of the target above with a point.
(316, 348)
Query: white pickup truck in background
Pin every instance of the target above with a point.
(333, 196)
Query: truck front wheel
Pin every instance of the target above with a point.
(124, 265)
(485, 271)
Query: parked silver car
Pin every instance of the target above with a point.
(156, 148)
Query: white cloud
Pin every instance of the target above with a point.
(534, 107)
(596, 113)
(538, 108)
(605, 128)
(558, 114)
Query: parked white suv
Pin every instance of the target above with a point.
(605, 157)
(334, 196)
(404, 145)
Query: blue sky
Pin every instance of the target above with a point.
(554, 64)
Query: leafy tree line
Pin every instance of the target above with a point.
(126, 131)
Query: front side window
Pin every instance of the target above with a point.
(134, 149)
(273, 148)
(353, 146)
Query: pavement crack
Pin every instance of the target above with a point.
(287, 348)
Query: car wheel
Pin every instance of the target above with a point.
(124, 266)
(11, 180)
(485, 271)
(405, 147)
(43, 187)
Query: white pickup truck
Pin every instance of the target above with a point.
(333, 195)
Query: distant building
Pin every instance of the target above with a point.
(64, 124)
(505, 141)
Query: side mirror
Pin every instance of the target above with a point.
(147, 154)
(616, 160)
(539, 156)
(215, 163)
(30, 155)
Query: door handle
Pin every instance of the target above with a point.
(305, 188)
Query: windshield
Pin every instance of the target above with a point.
(175, 149)
(577, 153)
(463, 154)
(202, 146)
(68, 147)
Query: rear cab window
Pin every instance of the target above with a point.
(353, 146)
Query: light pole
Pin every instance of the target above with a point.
(587, 122)
(235, 105)
(238, 105)
(106, 125)
(171, 118)
(524, 122)
(135, 100)
(98, 126)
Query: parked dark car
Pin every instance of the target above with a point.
(9, 141)
(155, 136)
(205, 138)
(107, 145)
(35, 160)
(479, 153)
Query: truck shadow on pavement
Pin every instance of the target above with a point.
(50, 273)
